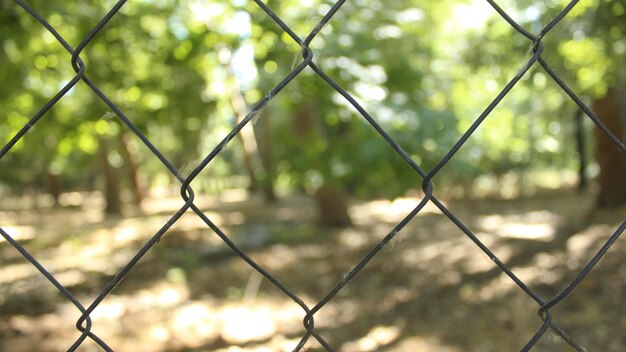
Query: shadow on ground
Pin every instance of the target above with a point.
(430, 289)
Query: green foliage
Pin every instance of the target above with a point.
(424, 70)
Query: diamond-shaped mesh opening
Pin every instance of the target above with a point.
(314, 310)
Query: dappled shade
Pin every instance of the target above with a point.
(192, 293)
(398, 171)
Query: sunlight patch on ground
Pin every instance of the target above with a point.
(71, 277)
(583, 241)
(543, 232)
(421, 344)
(278, 344)
(168, 308)
(531, 274)
(19, 233)
(107, 249)
(582, 246)
(352, 238)
(233, 195)
(450, 253)
(194, 323)
(163, 201)
(159, 296)
(24, 324)
(94, 257)
(106, 240)
(126, 234)
(388, 211)
(496, 288)
(279, 257)
(160, 333)
(16, 272)
(536, 225)
(242, 324)
(475, 261)
(74, 199)
(197, 323)
(233, 218)
(377, 337)
(110, 310)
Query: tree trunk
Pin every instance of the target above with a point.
(580, 149)
(130, 158)
(330, 198)
(332, 206)
(111, 180)
(265, 144)
(53, 184)
(612, 161)
(240, 109)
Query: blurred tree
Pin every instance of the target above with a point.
(144, 59)
(111, 179)
(423, 70)
(323, 145)
(595, 55)
(586, 49)
(609, 24)
(611, 160)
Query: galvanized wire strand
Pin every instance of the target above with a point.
(377, 127)
(484, 114)
(252, 114)
(556, 19)
(84, 323)
(80, 69)
(331, 12)
(232, 245)
(618, 143)
(80, 75)
(278, 21)
(426, 185)
(553, 74)
(308, 57)
(371, 254)
(122, 273)
(79, 48)
(205, 162)
(56, 97)
(581, 275)
(506, 270)
(55, 283)
(537, 51)
(568, 289)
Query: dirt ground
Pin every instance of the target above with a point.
(430, 289)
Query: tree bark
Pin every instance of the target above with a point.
(580, 149)
(611, 160)
(53, 185)
(331, 197)
(111, 180)
(265, 149)
(246, 135)
(130, 158)
(332, 206)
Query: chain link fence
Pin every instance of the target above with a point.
(544, 305)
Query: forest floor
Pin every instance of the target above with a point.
(430, 289)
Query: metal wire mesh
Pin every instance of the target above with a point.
(84, 323)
